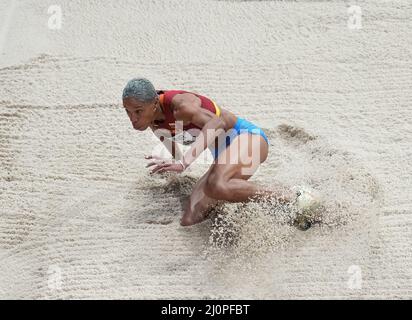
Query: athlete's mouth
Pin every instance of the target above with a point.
(142, 127)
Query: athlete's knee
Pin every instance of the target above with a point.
(216, 187)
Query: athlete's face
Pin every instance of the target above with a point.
(141, 114)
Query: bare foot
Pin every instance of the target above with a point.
(192, 218)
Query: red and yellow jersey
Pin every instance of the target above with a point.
(166, 96)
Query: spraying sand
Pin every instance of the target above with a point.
(80, 217)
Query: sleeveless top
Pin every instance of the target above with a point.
(169, 123)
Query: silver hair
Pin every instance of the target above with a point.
(140, 89)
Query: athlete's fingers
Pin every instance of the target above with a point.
(148, 157)
(155, 162)
(154, 170)
(151, 164)
(165, 169)
(169, 167)
(151, 157)
(158, 167)
(161, 170)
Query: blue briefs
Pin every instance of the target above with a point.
(241, 126)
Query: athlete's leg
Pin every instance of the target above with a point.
(228, 178)
(198, 203)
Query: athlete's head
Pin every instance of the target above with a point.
(140, 100)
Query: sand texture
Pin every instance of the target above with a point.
(80, 217)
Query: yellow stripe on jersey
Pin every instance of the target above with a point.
(218, 112)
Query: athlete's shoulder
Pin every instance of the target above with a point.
(185, 98)
(169, 95)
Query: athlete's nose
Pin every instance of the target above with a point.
(133, 117)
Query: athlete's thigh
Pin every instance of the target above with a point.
(241, 158)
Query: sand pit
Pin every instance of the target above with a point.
(80, 217)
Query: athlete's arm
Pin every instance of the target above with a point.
(171, 146)
(187, 107)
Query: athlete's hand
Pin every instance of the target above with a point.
(155, 158)
(164, 165)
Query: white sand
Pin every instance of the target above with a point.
(81, 218)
